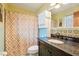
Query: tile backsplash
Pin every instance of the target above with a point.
(73, 32)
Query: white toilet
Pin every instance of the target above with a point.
(33, 50)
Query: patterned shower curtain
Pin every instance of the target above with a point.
(21, 32)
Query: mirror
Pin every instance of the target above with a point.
(66, 16)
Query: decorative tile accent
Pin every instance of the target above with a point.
(73, 32)
(76, 31)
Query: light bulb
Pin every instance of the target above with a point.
(64, 3)
(57, 6)
(52, 4)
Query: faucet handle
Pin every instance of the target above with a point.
(57, 33)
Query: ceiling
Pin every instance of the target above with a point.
(64, 7)
(35, 6)
(32, 6)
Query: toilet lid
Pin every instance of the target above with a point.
(33, 48)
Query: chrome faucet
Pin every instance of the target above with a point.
(57, 35)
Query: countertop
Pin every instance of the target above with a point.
(68, 46)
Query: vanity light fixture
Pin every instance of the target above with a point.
(57, 6)
(54, 5)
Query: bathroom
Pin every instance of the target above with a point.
(27, 29)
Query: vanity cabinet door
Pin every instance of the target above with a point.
(57, 52)
(43, 50)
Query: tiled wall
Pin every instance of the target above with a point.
(73, 32)
(21, 32)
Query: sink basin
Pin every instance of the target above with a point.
(56, 41)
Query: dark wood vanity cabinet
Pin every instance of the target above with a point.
(47, 50)
(43, 50)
